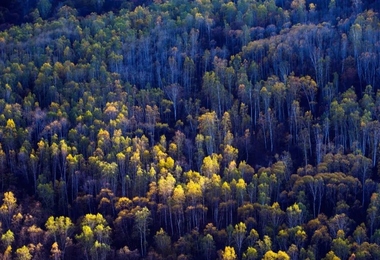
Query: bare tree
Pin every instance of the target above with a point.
(174, 93)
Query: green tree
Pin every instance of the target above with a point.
(264, 245)
(340, 246)
(8, 238)
(316, 187)
(239, 235)
(276, 216)
(229, 11)
(61, 229)
(208, 128)
(45, 192)
(3, 160)
(360, 234)
(310, 89)
(215, 92)
(294, 215)
(250, 254)
(44, 7)
(208, 246)
(331, 256)
(95, 236)
(373, 212)
(142, 219)
(163, 242)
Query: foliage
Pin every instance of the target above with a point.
(195, 129)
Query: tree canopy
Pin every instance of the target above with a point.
(196, 129)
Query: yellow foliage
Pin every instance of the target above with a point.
(229, 253)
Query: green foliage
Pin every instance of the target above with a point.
(95, 236)
(44, 8)
(60, 228)
(8, 238)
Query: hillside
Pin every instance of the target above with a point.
(189, 129)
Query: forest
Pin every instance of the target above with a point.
(206, 129)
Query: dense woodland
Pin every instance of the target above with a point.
(173, 129)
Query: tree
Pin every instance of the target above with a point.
(298, 11)
(165, 189)
(276, 216)
(61, 229)
(208, 246)
(8, 253)
(194, 196)
(10, 136)
(178, 200)
(121, 162)
(266, 94)
(339, 225)
(239, 235)
(373, 212)
(331, 256)
(241, 191)
(247, 93)
(46, 194)
(361, 170)
(126, 253)
(95, 236)
(8, 238)
(215, 92)
(152, 116)
(109, 174)
(211, 165)
(270, 255)
(316, 188)
(310, 89)
(264, 245)
(230, 155)
(374, 139)
(174, 92)
(208, 128)
(163, 242)
(3, 160)
(189, 67)
(23, 253)
(8, 208)
(229, 253)
(44, 8)
(294, 215)
(340, 246)
(250, 254)
(278, 92)
(360, 234)
(142, 219)
(55, 251)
